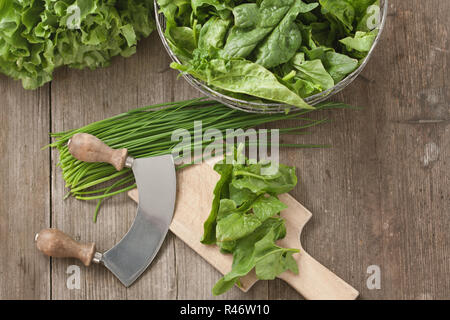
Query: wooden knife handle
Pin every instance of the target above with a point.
(88, 148)
(55, 243)
(315, 282)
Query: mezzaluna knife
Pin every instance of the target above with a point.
(156, 182)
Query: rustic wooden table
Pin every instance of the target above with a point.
(379, 197)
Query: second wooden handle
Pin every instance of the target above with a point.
(88, 148)
(55, 243)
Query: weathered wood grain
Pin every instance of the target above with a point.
(24, 189)
(380, 196)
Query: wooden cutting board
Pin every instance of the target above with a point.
(195, 185)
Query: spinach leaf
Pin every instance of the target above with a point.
(336, 64)
(305, 88)
(259, 250)
(251, 49)
(251, 178)
(361, 6)
(226, 207)
(339, 65)
(273, 260)
(243, 76)
(246, 16)
(245, 222)
(359, 45)
(342, 10)
(266, 207)
(212, 34)
(183, 37)
(285, 40)
(365, 15)
(174, 11)
(312, 71)
(239, 196)
(234, 223)
(219, 5)
(252, 24)
(209, 227)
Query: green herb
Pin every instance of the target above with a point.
(147, 132)
(274, 50)
(37, 36)
(244, 220)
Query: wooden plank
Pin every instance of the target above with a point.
(380, 196)
(25, 190)
(78, 98)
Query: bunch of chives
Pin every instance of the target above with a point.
(147, 132)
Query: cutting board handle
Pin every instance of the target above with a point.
(88, 148)
(55, 243)
(317, 282)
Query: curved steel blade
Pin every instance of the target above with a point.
(156, 182)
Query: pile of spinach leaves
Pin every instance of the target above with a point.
(269, 50)
(245, 220)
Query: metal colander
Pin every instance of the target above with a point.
(268, 107)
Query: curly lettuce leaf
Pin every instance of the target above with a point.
(37, 36)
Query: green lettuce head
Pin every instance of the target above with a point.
(37, 36)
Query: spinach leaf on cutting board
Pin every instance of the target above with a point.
(259, 251)
(245, 221)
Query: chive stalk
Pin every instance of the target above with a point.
(147, 132)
